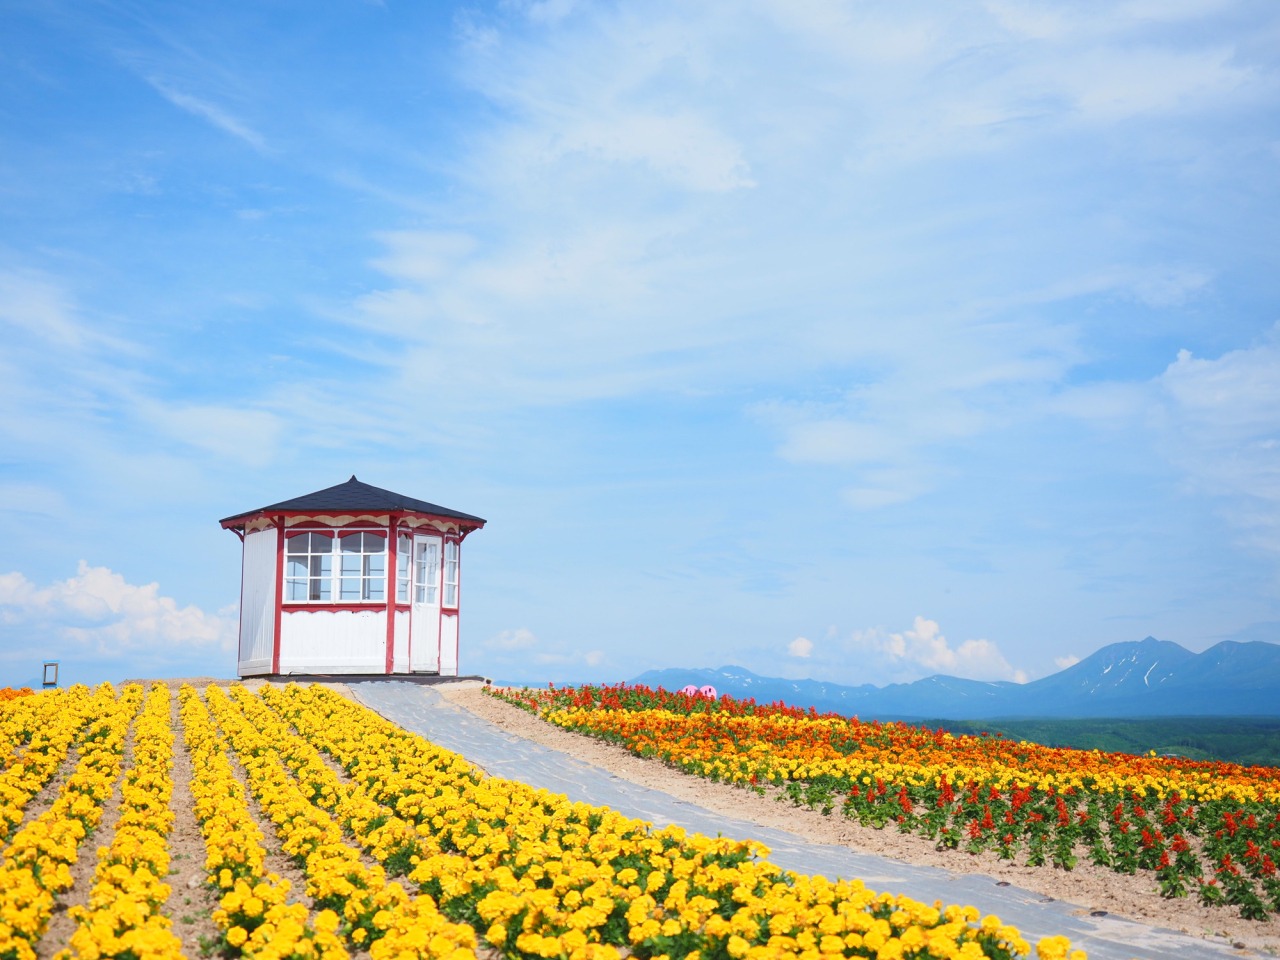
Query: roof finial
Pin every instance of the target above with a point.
(353, 477)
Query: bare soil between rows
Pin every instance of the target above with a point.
(1089, 886)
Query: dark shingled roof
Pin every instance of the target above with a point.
(353, 497)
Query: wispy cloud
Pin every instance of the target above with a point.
(1219, 422)
(209, 112)
(517, 654)
(598, 280)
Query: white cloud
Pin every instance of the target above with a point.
(33, 500)
(97, 613)
(521, 638)
(518, 654)
(422, 256)
(681, 147)
(860, 33)
(923, 649)
(230, 433)
(873, 498)
(1105, 404)
(210, 112)
(607, 247)
(1033, 21)
(548, 11)
(35, 306)
(1170, 285)
(1114, 84)
(840, 441)
(800, 647)
(1038, 21)
(1070, 660)
(1218, 421)
(38, 311)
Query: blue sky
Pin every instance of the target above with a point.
(860, 341)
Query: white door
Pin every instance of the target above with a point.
(425, 618)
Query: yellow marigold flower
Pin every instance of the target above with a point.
(1052, 948)
(326, 921)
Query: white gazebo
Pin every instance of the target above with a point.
(352, 579)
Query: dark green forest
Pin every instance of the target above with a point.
(1246, 740)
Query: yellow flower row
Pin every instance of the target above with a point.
(417, 930)
(17, 723)
(37, 862)
(375, 912)
(545, 877)
(254, 915)
(46, 725)
(123, 917)
(388, 838)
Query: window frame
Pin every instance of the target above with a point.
(404, 567)
(450, 579)
(368, 569)
(426, 571)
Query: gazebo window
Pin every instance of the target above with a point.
(451, 573)
(404, 567)
(426, 572)
(363, 568)
(308, 567)
(321, 568)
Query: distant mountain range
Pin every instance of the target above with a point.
(1147, 678)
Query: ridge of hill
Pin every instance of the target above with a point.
(1144, 678)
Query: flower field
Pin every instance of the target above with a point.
(395, 849)
(1202, 829)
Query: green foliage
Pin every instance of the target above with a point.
(1251, 741)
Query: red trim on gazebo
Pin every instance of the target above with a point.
(464, 526)
(324, 606)
(393, 584)
(279, 598)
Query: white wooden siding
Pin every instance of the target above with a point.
(401, 663)
(449, 646)
(333, 641)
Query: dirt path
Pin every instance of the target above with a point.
(1090, 886)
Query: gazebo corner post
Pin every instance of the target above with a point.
(239, 532)
(393, 583)
(278, 520)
